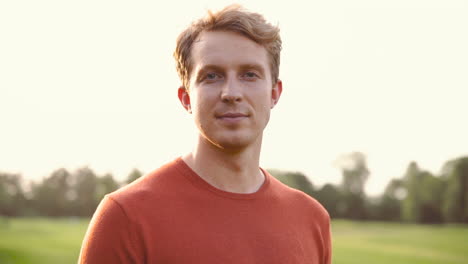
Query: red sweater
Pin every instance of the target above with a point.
(173, 216)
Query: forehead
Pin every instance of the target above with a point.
(227, 49)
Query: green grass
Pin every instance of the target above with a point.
(382, 243)
(40, 240)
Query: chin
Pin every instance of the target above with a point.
(233, 142)
(233, 145)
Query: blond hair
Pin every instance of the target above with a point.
(233, 18)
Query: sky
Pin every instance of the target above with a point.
(93, 83)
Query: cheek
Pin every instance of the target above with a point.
(263, 100)
(264, 107)
(266, 115)
(201, 109)
(195, 102)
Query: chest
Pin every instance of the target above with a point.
(232, 234)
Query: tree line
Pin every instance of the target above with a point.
(416, 196)
(62, 193)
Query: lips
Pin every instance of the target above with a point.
(232, 118)
(232, 115)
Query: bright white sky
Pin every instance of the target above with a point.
(93, 83)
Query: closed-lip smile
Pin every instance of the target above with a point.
(232, 115)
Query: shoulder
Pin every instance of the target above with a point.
(148, 188)
(300, 201)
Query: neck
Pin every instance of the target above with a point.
(229, 170)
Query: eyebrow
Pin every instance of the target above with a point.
(254, 66)
(206, 68)
(242, 67)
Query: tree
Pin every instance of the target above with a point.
(389, 207)
(423, 202)
(329, 196)
(296, 180)
(134, 174)
(412, 202)
(455, 200)
(12, 199)
(106, 184)
(355, 174)
(432, 194)
(51, 197)
(85, 192)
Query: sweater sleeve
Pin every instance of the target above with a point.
(109, 238)
(327, 243)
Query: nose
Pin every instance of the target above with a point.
(231, 91)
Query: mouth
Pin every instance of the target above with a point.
(232, 115)
(232, 118)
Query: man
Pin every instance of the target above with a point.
(215, 205)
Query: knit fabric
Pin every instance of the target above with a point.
(173, 216)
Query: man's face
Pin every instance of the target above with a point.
(231, 92)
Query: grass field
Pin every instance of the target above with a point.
(58, 241)
(40, 240)
(385, 243)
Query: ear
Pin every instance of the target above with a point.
(184, 98)
(276, 93)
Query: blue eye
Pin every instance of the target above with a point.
(251, 75)
(211, 75)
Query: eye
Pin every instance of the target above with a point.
(211, 77)
(251, 75)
